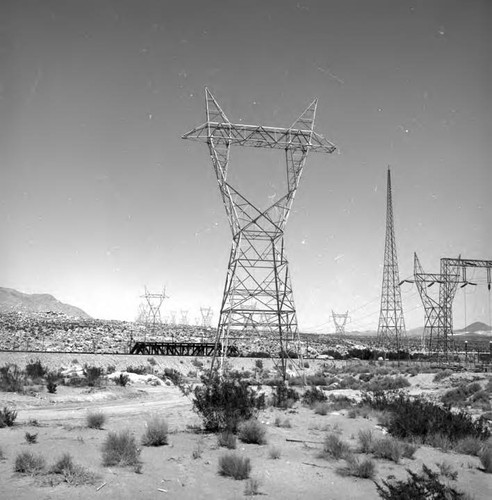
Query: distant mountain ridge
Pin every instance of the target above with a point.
(13, 301)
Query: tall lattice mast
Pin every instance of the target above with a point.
(258, 288)
(391, 328)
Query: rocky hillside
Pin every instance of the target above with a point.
(13, 301)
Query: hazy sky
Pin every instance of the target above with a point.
(100, 196)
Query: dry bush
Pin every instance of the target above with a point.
(65, 470)
(252, 431)
(446, 470)
(274, 452)
(95, 419)
(29, 463)
(365, 468)
(156, 432)
(469, 446)
(30, 438)
(321, 408)
(366, 440)
(334, 448)
(388, 448)
(252, 487)
(120, 449)
(408, 449)
(227, 439)
(235, 466)
(7, 417)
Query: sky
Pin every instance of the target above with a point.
(100, 196)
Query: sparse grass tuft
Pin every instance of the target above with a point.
(120, 449)
(365, 468)
(334, 448)
(366, 440)
(29, 463)
(469, 446)
(252, 431)
(67, 471)
(227, 439)
(252, 487)
(156, 432)
(388, 448)
(235, 466)
(321, 408)
(95, 420)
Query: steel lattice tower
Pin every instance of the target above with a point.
(153, 315)
(340, 321)
(391, 327)
(258, 285)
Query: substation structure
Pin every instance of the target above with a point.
(438, 325)
(258, 294)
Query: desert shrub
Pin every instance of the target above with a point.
(460, 394)
(274, 452)
(110, 369)
(316, 379)
(197, 451)
(156, 432)
(387, 383)
(29, 463)
(388, 448)
(51, 381)
(7, 417)
(120, 449)
(122, 380)
(446, 470)
(252, 487)
(235, 466)
(70, 472)
(138, 370)
(251, 431)
(35, 369)
(321, 408)
(486, 459)
(340, 402)
(151, 361)
(441, 441)
(334, 448)
(192, 374)
(419, 487)
(313, 395)
(93, 375)
(11, 378)
(227, 439)
(223, 403)
(30, 438)
(173, 375)
(95, 419)
(259, 364)
(282, 423)
(2, 455)
(365, 377)
(408, 449)
(365, 468)
(349, 382)
(469, 446)
(197, 363)
(417, 417)
(284, 396)
(442, 375)
(366, 440)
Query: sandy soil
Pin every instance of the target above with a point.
(172, 472)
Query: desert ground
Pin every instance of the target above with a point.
(288, 466)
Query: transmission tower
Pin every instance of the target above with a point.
(391, 327)
(172, 319)
(184, 317)
(207, 315)
(153, 310)
(340, 321)
(258, 271)
(438, 325)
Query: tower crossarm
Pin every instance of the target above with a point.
(260, 137)
(487, 264)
